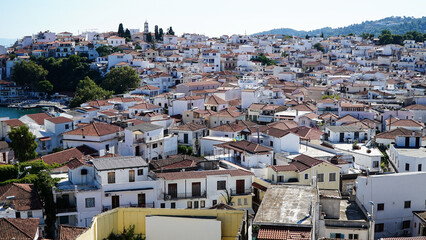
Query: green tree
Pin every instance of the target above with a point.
(120, 30)
(44, 184)
(44, 86)
(107, 50)
(28, 74)
(156, 34)
(149, 37)
(87, 90)
(128, 35)
(264, 60)
(121, 79)
(160, 34)
(170, 31)
(228, 197)
(319, 47)
(23, 143)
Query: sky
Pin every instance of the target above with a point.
(213, 18)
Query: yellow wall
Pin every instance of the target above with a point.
(117, 219)
(263, 183)
(235, 201)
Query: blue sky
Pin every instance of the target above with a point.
(214, 18)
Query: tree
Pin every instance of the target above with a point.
(156, 34)
(319, 47)
(87, 90)
(264, 60)
(23, 143)
(128, 35)
(322, 34)
(121, 79)
(228, 197)
(28, 74)
(160, 34)
(44, 86)
(107, 50)
(307, 36)
(120, 30)
(149, 37)
(170, 31)
(44, 184)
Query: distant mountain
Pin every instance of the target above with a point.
(397, 25)
(7, 42)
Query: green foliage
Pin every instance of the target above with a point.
(23, 143)
(44, 86)
(8, 172)
(87, 90)
(58, 149)
(121, 79)
(228, 197)
(397, 25)
(355, 145)
(137, 47)
(29, 178)
(336, 96)
(160, 34)
(127, 234)
(44, 184)
(156, 33)
(107, 50)
(127, 34)
(170, 31)
(388, 38)
(319, 47)
(120, 30)
(186, 150)
(264, 60)
(36, 166)
(28, 73)
(149, 37)
(368, 36)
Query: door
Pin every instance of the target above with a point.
(172, 190)
(137, 151)
(185, 138)
(141, 200)
(240, 186)
(115, 201)
(196, 189)
(342, 137)
(356, 135)
(407, 141)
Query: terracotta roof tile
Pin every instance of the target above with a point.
(70, 232)
(202, 174)
(284, 233)
(26, 197)
(18, 228)
(95, 129)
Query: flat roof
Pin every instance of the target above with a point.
(412, 152)
(287, 205)
(348, 147)
(350, 211)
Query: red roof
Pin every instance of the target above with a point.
(18, 228)
(26, 197)
(13, 122)
(95, 129)
(39, 117)
(284, 233)
(202, 174)
(70, 232)
(58, 120)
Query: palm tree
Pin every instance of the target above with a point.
(228, 197)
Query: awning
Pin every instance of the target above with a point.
(137, 132)
(45, 139)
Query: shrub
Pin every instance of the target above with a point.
(8, 172)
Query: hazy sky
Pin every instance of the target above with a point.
(213, 18)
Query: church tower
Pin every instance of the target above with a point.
(145, 27)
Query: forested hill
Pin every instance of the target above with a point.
(397, 25)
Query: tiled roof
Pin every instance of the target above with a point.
(58, 120)
(189, 127)
(284, 233)
(307, 133)
(18, 228)
(229, 127)
(347, 118)
(247, 146)
(25, 196)
(62, 156)
(147, 106)
(70, 232)
(215, 100)
(392, 134)
(202, 174)
(283, 125)
(407, 123)
(119, 162)
(416, 107)
(13, 122)
(38, 117)
(95, 129)
(176, 162)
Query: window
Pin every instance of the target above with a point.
(67, 126)
(332, 177)
(189, 204)
(280, 178)
(131, 175)
(111, 177)
(17, 214)
(353, 236)
(83, 171)
(221, 185)
(107, 147)
(380, 207)
(140, 172)
(90, 202)
(375, 164)
(407, 204)
(239, 201)
(195, 204)
(245, 201)
(406, 224)
(407, 167)
(306, 175)
(320, 177)
(163, 205)
(154, 145)
(30, 214)
(214, 202)
(202, 204)
(419, 167)
(271, 143)
(63, 220)
(173, 205)
(379, 227)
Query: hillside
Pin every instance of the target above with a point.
(397, 25)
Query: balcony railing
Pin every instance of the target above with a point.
(146, 205)
(178, 196)
(66, 209)
(241, 192)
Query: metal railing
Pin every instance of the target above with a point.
(146, 205)
(247, 191)
(167, 197)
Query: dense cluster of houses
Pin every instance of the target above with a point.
(319, 145)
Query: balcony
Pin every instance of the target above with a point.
(241, 192)
(146, 205)
(168, 197)
(139, 140)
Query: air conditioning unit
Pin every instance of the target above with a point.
(168, 197)
(107, 194)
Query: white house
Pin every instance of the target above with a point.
(116, 41)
